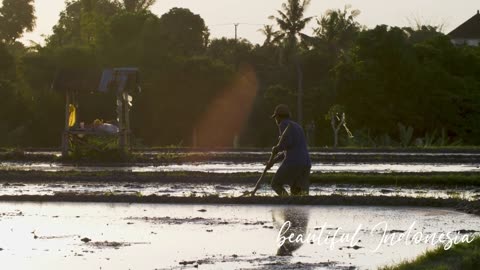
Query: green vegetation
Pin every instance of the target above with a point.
(16, 17)
(98, 149)
(399, 87)
(463, 256)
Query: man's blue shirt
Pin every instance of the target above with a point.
(294, 145)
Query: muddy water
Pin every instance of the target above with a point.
(49, 236)
(226, 167)
(227, 190)
(313, 153)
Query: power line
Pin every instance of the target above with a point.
(240, 23)
(255, 24)
(236, 25)
(222, 24)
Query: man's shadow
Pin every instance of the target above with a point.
(298, 218)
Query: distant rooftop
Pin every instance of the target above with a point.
(469, 29)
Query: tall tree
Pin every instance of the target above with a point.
(183, 32)
(16, 17)
(230, 50)
(336, 32)
(291, 20)
(337, 29)
(422, 33)
(7, 61)
(81, 21)
(271, 35)
(137, 5)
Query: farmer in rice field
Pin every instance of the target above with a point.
(292, 151)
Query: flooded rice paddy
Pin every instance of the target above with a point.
(141, 236)
(230, 167)
(190, 236)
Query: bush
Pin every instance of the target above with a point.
(99, 149)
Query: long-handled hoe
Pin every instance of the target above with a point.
(267, 166)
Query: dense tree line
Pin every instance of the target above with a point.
(396, 86)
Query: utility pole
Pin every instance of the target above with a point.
(235, 56)
(236, 31)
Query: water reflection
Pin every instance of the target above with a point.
(290, 223)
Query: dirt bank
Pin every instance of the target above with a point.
(169, 156)
(393, 179)
(461, 205)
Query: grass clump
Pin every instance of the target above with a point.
(98, 149)
(464, 256)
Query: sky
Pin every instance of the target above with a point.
(220, 15)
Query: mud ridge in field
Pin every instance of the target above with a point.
(264, 262)
(199, 220)
(20, 178)
(472, 207)
(167, 156)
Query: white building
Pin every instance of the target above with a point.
(467, 33)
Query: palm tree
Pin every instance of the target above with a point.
(271, 36)
(137, 5)
(337, 29)
(336, 32)
(291, 20)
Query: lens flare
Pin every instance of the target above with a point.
(228, 114)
